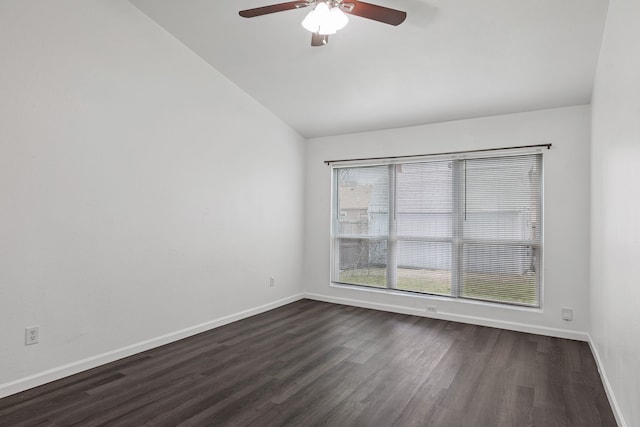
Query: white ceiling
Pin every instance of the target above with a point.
(451, 59)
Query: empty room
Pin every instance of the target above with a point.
(340, 213)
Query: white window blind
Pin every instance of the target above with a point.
(462, 227)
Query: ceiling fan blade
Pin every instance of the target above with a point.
(377, 13)
(319, 39)
(280, 7)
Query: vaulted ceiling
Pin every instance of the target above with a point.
(449, 60)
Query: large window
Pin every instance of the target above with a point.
(460, 227)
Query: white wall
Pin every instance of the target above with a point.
(566, 220)
(615, 226)
(141, 192)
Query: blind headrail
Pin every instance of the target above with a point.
(548, 146)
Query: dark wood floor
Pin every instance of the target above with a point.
(312, 363)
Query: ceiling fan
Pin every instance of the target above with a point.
(328, 16)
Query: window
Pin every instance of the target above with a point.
(461, 227)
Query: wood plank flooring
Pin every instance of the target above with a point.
(311, 363)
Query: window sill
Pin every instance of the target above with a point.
(431, 297)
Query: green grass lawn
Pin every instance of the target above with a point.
(519, 289)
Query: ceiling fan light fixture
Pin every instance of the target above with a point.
(316, 17)
(324, 20)
(338, 18)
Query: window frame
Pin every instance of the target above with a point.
(457, 239)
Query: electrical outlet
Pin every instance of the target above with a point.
(567, 314)
(31, 335)
(432, 309)
(272, 281)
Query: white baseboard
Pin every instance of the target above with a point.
(607, 385)
(111, 356)
(482, 321)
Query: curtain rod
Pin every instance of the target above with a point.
(328, 162)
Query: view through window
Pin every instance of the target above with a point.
(459, 227)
